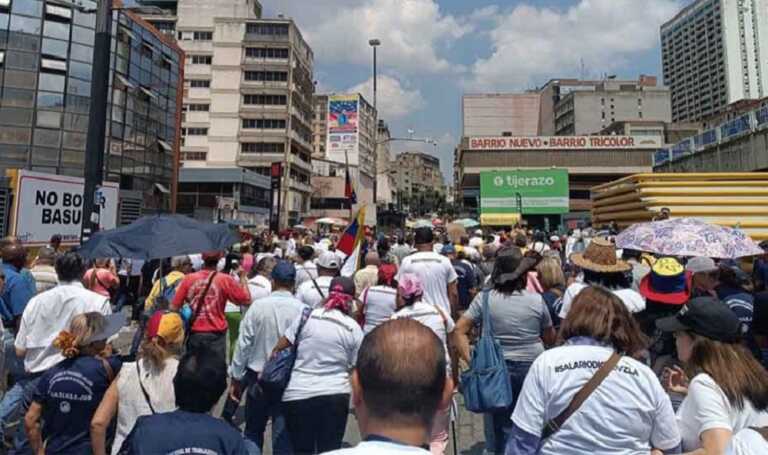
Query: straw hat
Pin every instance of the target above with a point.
(600, 256)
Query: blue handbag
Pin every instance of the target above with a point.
(277, 369)
(486, 386)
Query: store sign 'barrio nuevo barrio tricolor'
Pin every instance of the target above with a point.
(563, 142)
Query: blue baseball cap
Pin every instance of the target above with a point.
(448, 249)
(284, 271)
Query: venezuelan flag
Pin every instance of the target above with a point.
(353, 234)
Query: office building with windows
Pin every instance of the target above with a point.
(46, 54)
(713, 55)
(248, 103)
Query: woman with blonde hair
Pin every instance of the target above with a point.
(69, 393)
(143, 387)
(727, 396)
(552, 279)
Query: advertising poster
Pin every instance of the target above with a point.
(535, 192)
(342, 142)
(48, 204)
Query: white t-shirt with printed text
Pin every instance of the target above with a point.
(436, 273)
(432, 316)
(628, 414)
(706, 407)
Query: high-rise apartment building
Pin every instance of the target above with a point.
(713, 54)
(417, 175)
(248, 96)
(46, 64)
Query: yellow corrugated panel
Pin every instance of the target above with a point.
(499, 219)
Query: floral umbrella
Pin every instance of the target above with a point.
(688, 237)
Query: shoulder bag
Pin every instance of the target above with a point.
(276, 374)
(143, 390)
(581, 396)
(193, 311)
(486, 385)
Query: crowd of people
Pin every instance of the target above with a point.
(606, 351)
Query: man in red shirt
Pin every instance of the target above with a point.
(209, 325)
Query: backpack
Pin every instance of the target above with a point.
(167, 293)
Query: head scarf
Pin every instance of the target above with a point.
(387, 273)
(410, 286)
(338, 299)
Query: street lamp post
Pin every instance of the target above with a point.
(97, 124)
(374, 43)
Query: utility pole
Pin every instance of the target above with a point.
(97, 121)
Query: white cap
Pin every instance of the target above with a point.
(479, 232)
(554, 238)
(328, 260)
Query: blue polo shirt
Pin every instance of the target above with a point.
(18, 290)
(182, 432)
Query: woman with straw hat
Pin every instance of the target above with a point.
(601, 266)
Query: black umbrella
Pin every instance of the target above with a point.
(160, 236)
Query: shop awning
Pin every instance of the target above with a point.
(499, 219)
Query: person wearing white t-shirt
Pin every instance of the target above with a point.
(260, 284)
(314, 292)
(601, 267)
(397, 388)
(411, 305)
(629, 413)
(749, 441)
(379, 302)
(435, 272)
(729, 390)
(316, 400)
(305, 268)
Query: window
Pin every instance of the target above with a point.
(264, 123)
(262, 147)
(269, 100)
(267, 29)
(202, 36)
(201, 59)
(266, 52)
(278, 76)
(194, 156)
(194, 131)
(198, 107)
(199, 83)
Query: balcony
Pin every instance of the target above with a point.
(298, 186)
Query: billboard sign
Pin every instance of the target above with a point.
(535, 191)
(564, 143)
(342, 129)
(48, 204)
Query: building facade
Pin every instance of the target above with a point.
(364, 153)
(711, 56)
(46, 86)
(248, 96)
(499, 114)
(591, 106)
(385, 182)
(417, 178)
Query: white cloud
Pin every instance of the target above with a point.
(395, 99)
(412, 32)
(532, 43)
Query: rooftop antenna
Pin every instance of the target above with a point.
(582, 70)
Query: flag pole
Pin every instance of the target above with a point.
(348, 178)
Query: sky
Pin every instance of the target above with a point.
(433, 51)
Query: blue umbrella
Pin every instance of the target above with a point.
(160, 236)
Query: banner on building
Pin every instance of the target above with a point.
(564, 143)
(342, 130)
(48, 204)
(530, 192)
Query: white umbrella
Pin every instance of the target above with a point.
(332, 221)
